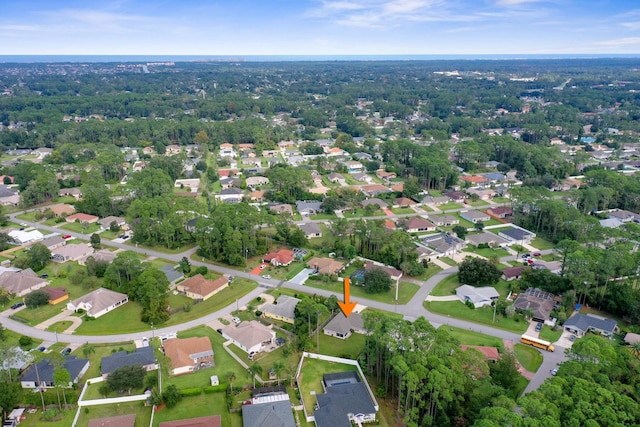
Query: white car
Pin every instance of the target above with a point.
(236, 320)
(266, 276)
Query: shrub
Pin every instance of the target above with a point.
(258, 313)
(25, 341)
(196, 391)
(470, 305)
(215, 388)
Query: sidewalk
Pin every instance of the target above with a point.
(66, 315)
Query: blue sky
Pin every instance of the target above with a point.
(319, 27)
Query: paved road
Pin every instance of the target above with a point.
(411, 311)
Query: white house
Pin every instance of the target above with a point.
(479, 297)
(98, 302)
(21, 237)
(251, 336)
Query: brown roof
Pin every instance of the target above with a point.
(514, 271)
(393, 272)
(200, 285)
(179, 350)
(19, 281)
(62, 208)
(82, 217)
(55, 293)
(325, 265)
(117, 421)
(500, 210)
(403, 201)
(417, 222)
(282, 256)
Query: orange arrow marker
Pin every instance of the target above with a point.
(347, 306)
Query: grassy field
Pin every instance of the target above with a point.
(448, 261)
(448, 206)
(34, 420)
(474, 338)
(332, 346)
(143, 413)
(405, 293)
(488, 252)
(478, 203)
(529, 357)
(126, 319)
(402, 211)
(310, 379)
(447, 286)
(429, 272)
(549, 334)
(482, 315)
(542, 244)
(199, 406)
(80, 228)
(100, 351)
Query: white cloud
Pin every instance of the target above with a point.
(625, 41)
(515, 2)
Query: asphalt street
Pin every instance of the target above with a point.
(411, 311)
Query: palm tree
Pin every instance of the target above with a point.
(231, 377)
(635, 349)
(278, 367)
(253, 371)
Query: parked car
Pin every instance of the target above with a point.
(42, 348)
(537, 254)
(266, 276)
(66, 351)
(44, 276)
(572, 338)
(17, 305)
(253, 353)
(236, 320)
(525, 256)
(554, 371)
(66, 236)
(539, 327)
(262, 266)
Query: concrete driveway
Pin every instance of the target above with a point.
(301, 277)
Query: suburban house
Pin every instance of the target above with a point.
(54, 242)
(188, 354)
(490, 353)
(200, 288)
(310, 229)
(61, 209)
(281, 208)
(373, 190)
(417, 225)
(394, 273)
(474, 216)
(76, 193)
(540, 303)
(512, 273)
(516, 235)
(443, 244)
(40, 375)
(323, 265)
(173, 274)
(105, 223)
(387, 176)
(128, 420)
(73, 252)
(336, 178)
(256, 181)
(346, 401)
(342, 326)
(501, 212)
(56, 295)
(8, 196)
(251, 336)
(82, 218)
(579, 324)
(361, 177)
(229, 195)
(142, 356)
(485, 238)
(483, 194)
(103, 255)
(267, 414)
(208, 421)
(476, 180)
(374, 201)
(444, 220)
(478, 296)
(283, 309)
(21, 282)
(435, 201)
(22, 237)
(623, 215)
(281, 257)
(456, 196)
(98, 302)
(308, 207)
(403, 202)
(354, 166)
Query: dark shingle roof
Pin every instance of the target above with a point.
(584, 322)
(272, 414)
(339, 401)
(45, 369)
(142, 356)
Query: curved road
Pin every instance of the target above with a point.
(411, 311)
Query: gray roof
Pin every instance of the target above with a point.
(473, 214)
(6, 191)
(53, 241)
(285, 306)
(231, 192)
(441, 242)
(141, 356)
(171, 273)
(585, 322)
(476, 295)
(485, 237)
(310, 228)
(339, 401)
(308, 205)
(45, 369)
(342, 324)
(272, 414)
(516, 233)
(374, 201)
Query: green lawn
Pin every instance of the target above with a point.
(60, 326)
(478, 203)
(501, 200)
(447, 286)
(488, 252)
(80, 228)
(529, 357)
(542, 244)
(429, 272)
(323, 216)
(310, 378)
(482, 315)
(405, 293)
(224, 363)
(474, 338)
(100, 351)
(126, 319)
(143, 413)
(199, 406)
(402, 211)
(448, 261)
(332, 346)
(450, 205)
(34, 420)
(549, 334)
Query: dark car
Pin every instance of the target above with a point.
(42, 348)
(572, 338)
(537, 254)
(539, 327)
(17, 305)
(66, 351)
(44, 276)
